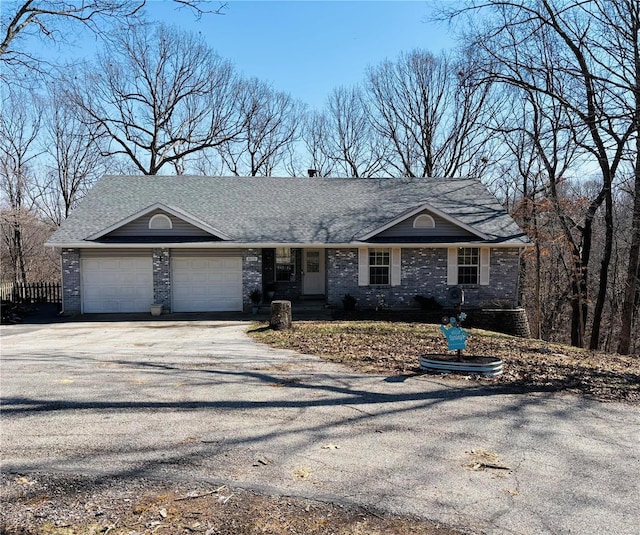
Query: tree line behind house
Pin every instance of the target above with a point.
(539, 101)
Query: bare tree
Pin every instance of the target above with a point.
(350, 139)
(620, 38)
(314, 138)
(32, 262)
(571, 52)
(431, 113)
(545, 149)
(160, 97)
(55, 20)
(19, 126)
(270, 125)
(74, 163)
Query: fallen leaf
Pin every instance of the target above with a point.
(394, 349)
(224, 499)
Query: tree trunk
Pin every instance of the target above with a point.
(280, 315)
(20, 267)
(632, 285)
(577, 326)
(604, 270)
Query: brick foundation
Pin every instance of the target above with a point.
(513, 321)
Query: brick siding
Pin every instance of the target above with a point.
(423, 272)
(251, 274)
(71, 282)
(162, 278)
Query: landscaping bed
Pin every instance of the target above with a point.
(394, 348)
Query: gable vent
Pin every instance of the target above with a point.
(160, 222)
(424, 221)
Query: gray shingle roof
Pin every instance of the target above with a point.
(288, 210)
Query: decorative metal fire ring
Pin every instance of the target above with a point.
(487, 366)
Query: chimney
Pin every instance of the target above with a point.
(313, 173)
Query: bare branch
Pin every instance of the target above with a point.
(54, 20)
(159, 97)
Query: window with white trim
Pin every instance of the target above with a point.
(379, 266)
(285, 264)
(468, 265)
(160, 222)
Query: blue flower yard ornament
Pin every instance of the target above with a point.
(456, 336)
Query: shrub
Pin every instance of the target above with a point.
(428, 303)
(349, 302)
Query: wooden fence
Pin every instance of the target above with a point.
(33, 292)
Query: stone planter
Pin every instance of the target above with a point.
(487, 366)
(156, 310)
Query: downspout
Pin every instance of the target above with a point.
(517, 292)
(61, 282)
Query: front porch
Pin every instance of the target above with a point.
(301, 310)
(298, 275)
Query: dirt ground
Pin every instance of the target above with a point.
(67, 506)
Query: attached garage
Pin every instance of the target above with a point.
(202, 284)
(116, 284)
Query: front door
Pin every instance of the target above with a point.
(313, 270)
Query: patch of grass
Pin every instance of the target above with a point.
(529, 365)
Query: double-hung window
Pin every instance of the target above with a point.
(379, 266)
(468, 265)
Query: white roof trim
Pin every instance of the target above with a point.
(417, 210)
(173, 211)
(259, 245)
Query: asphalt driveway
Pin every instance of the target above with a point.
(198, 400)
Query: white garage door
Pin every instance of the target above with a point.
(118, 284)
(206, 284)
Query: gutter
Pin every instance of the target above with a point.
(273, 245)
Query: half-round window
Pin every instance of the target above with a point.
(160, 222)
(424, 221)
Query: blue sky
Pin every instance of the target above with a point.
(304, 47)
(307, 48)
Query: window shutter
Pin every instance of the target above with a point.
(396, 267)
(363, 266)
(485, 263)
(452, 266)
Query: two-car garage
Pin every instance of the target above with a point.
(124, 283)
